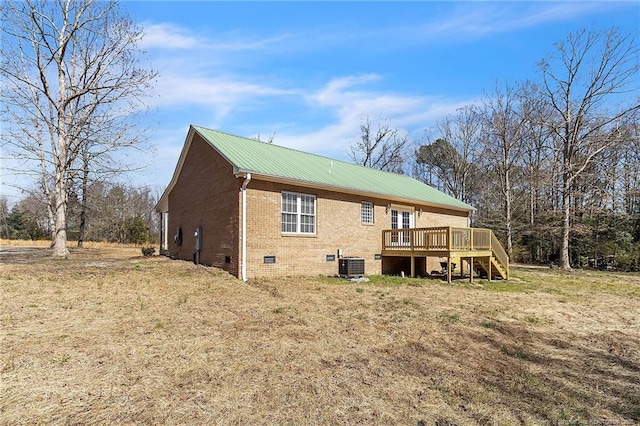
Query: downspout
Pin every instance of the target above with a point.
(247, 179)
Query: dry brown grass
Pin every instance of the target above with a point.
(109, 337)
(70, 244)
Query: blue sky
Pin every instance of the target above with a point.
(310, 72)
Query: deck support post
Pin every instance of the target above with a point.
(449, 270)
(489, 272)
(413, 266)
(471, 271)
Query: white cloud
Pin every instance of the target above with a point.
(350, 107)
(543, 13)
(221, 95)
(474, 20)
(234, 43)
(335, 91)
(167, 36)
(199, 71)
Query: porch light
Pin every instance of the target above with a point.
(386, 210)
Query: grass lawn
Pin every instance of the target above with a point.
(109, 337)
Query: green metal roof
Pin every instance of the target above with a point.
(260, 158)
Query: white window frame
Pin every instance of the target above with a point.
(367, 213)
(298, 215)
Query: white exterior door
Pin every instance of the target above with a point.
(401, 219)
(164, 231)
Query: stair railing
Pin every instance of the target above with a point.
(499, 253)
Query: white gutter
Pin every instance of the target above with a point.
(247, 179)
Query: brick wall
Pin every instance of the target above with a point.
(338, 226)
(206, 194)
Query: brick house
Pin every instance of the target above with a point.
(255, 209)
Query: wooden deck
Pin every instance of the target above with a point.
(476, 246)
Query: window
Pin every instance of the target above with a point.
(298, 213)
(289, 212)
(406, 220)
(366, 212)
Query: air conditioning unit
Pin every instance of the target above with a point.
(351, 267)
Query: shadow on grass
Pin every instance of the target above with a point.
(524, 372)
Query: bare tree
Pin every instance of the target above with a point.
(112, 207)
(105, 134)
(505, 117)
(586, 74)
(71, 81)
(4, 217)
(382, 148)
(631, 173)
(537, 155)
(452, 158)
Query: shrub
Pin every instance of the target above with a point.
(136, 230)
(148, 251)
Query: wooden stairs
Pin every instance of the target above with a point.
(490, 267)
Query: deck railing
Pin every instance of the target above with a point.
(444, 238)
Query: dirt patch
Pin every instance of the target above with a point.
(24, 254)
(42, 253)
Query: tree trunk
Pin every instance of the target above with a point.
(508, 213)
(565, 261)
(532, 204)
(52, 219)
(83, 221)
(60, 241)
(83, 202)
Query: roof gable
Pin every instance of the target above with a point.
(276, 162)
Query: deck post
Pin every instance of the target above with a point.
(471, 271)
(413, 266)
(489, 259)
(449, 270)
